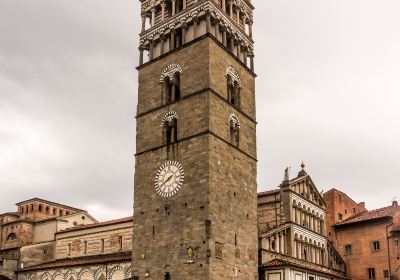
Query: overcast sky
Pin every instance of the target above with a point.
(328, 93)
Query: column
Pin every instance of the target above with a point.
(208, 23)
(143, 23)
(269, 244)
(173, 7)
(162, 10)
(251, 29)
(184, 4)
(173, 91)
(244, 23)
(153, 16)
(184, 27)
(232, 43)
(151, 52)
(162, 42)
(223, 6)
(195, 23)
(294, 248)
(224, 36)
(282, 243)
(252, 62)
(141, 55)
(172, 40)
(231, 8)
(238, 50)
(279, 243)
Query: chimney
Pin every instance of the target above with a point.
(395, 203)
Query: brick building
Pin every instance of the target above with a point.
(368, 241)
(34, 225)
(292, 234)
(99, 251)
(339, 207)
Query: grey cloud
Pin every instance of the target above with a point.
(327, 93)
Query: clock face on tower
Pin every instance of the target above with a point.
(169, 178)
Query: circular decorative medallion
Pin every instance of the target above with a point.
(169, 178)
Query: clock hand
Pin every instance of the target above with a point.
(166, 181)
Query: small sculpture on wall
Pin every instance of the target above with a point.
(190, 254)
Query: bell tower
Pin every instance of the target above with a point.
(195, 191)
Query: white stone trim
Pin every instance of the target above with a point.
(83, 270)
(170, 71)
(113, 270)
(169, 117)
(300, 231)
(298, 198)
(98, 271)
(235, 120)
(206, 6)
(231, 72)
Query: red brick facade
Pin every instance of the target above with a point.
(368, 241)
(339, 207)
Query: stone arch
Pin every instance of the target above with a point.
(83, 271)
(234, 75)
(169, 124)
(20, 277)
(33, 276)
(234, 120)
(46, 276)
(170, 71)
(98, 272)
(57, 275)
(69, 273)
(169, 117)
(128, 272)
(114, 270)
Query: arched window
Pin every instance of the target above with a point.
(12, 236)
(234, 127)
(233, 86)
(171, 83)
(167, 276)
(170, 127)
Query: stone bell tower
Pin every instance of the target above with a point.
(195, 193)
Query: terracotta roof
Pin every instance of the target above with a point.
(275, 262)
(10, 214)
(112, 222)
(385, 212)
(50, 202)
(269, 192)
(396, 228)
(87, 260)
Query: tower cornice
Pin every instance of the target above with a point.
(199, 9)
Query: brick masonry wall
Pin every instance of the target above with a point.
(360, 237)
(338, 202)
(94, 239)
(218, 197)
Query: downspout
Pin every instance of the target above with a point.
(388, 248)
